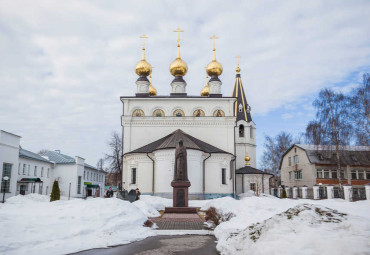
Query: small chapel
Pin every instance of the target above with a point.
(217, 130)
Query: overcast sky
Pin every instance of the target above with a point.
(64, 64)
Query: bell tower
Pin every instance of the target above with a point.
(245, 130)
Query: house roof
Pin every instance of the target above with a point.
(60, 158)
(31, 155)
(170, 141)
(250, 170)
(326, 155)
(238, 92)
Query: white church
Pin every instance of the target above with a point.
(217, 130)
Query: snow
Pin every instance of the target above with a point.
(146, 208)
(309, 232)
(35, 226)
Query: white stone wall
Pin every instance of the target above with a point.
(9, 153)
(246, 143)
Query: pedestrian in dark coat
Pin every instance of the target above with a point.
(137, 194)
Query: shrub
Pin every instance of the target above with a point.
(55, 192)
(216, 217)
(283, 193)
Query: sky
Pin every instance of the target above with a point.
(64, 64)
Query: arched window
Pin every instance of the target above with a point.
(158, 113)
(138, 113)
(218, 113)
(240, 107)
(251, 132)
(178, 113)
(241, 131)
(198, 113)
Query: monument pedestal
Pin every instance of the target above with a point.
(180, 193)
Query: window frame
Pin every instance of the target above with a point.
(223, 175)
(133, 175)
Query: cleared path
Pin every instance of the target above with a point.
(162, 245)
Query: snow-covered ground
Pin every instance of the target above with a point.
(262, 225)
(268, 225)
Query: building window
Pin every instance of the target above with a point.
(48, 172)
(326, 174)
(218, 113)
(295, 150)
(290, 175)
(40, 189)
(240, 108)
(19, 169)
(342, 176)
(79, 185)
(368, 175)
(334, 174)
(251, 132)
(133, 175)
(84, 175)
(296, 159)
(35, 171)
(361, 174)
(29, 168)
(290, 161)
(319, 173)
(223, 175)
(158, 113)
(24, 169)
(353, 175)
(138, 113)
(241, 130)
(253, 186)
(298, 175)
(198, 113)
(46, 191)
(7, 171)
(178, 113)
(42, 171)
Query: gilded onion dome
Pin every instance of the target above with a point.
(143, 68)
(178, 67)
(247, 159)
(205, 91)
(214, 68)
(152, 90)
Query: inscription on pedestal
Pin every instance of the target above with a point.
(180, 201)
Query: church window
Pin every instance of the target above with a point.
(241, 131)
(133, 175)
(198, 113)
(158, 113)
(251, 132)
(218, 113)
(178, 113)
(253, 186)
(240, 107)
(223, 175)
(138, 113)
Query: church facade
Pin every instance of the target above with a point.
(217, 131)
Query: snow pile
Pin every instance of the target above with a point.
(35, 226)
(159, 203)
(265, 225)
(146, 208)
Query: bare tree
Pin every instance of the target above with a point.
(100, 164)
(314, 133)
(114, 158)
(360, 111)
(274, 148)
(332, 114)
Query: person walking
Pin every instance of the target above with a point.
(137, 194)
(110, 192)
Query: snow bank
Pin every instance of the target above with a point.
(304, 233)
(35, 226)
(159, 203)
(146, 208)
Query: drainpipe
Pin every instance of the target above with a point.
(243, 183)
(234, 181)
(153, 172)
(204, 174)
(263, 187)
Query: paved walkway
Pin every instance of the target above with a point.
(188, 221)
(162, 245)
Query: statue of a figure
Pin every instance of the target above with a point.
(181, 167)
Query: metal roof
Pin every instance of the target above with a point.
(58, 157)
(250, 170)
(170, 141)
(31, 155)
(238, 92)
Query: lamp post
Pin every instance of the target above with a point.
(5, 179)
(69, 193)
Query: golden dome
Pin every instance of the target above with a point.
(152, 90)
(238, 69)
(247, 159)
(214, 68)
(143, 68)
(178, 67)
(205, 91)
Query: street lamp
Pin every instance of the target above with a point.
(69, 193)
(5, 178)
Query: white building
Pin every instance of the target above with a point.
(217, 131)
(30, 172)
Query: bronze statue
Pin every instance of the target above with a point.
(181, 166)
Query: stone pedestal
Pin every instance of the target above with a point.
(367, 188)
(180, 193)
(315, 191)
(280, 189)
(304, 192)
(330, 191)
(295, 192)
(347, 192)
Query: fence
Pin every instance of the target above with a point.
(300, 192)
(322, 193)
(338, 193)
(310, 193)
(358, 194)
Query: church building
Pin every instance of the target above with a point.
(217, 131)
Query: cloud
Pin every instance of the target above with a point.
(64, 64)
